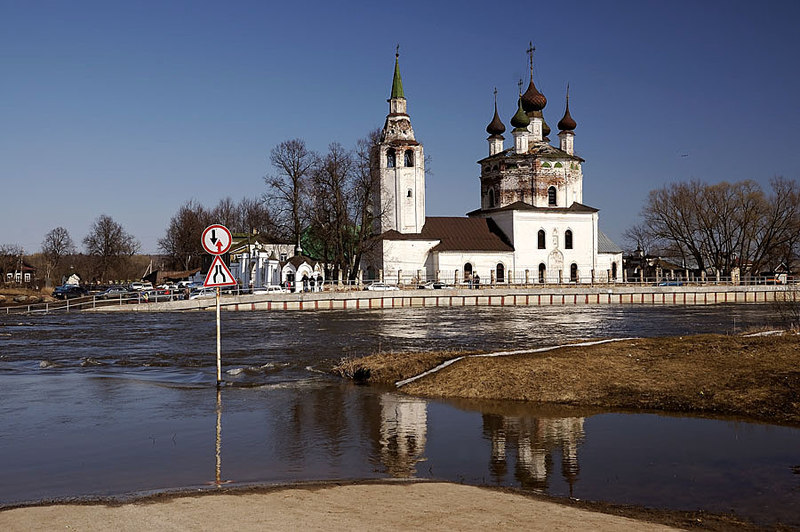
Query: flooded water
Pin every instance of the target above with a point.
(111, 404)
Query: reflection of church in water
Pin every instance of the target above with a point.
(404, 426)
(528, 443)
(535, 440)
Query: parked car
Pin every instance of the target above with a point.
(261, 290)
(113, 292)
(202, 293)
(69, 291)
(671, 283)
(381, 286)
(434, 285)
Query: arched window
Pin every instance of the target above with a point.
(573, 273)
(409, 194)
(614, 271)
(468, 272)
(542, 272)
(408, 158)
(541, 238)
(501, 273)
(491, 197)
(568, 239)
(551, 196)
(391, 158)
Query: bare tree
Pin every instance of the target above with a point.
(182, 242)
(724, 225)
(363, 207)
(56, 245)
(330, 220)
(109, 244)
(226, 213)
(287, 194)
(254, 217)
(639, 237)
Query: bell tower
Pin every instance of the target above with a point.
(398, 159)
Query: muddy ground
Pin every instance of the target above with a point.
(755, 377)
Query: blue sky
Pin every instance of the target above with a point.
(132, 108)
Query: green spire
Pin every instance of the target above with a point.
(397, 82)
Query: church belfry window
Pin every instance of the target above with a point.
(568, 239)
(540, 239)
(408, 158)
(491, 197)
(391, 158)
(551, 196)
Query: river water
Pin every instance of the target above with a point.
(98, 404)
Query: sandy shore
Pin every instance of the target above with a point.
(388, 506)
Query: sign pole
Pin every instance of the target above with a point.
(217, 240)
(219, 346)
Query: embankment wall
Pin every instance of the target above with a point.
(501, 297)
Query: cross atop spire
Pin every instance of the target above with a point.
(397, 52)
(519, 86)
(529, 51)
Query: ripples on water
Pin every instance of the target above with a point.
(260, 347)
(111, 403)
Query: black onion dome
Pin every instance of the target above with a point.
(496, 126)
(567, 123)
(533, 100)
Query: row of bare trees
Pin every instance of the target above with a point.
(321, 203)
(723, 226)
(181, 243)
(107, 250)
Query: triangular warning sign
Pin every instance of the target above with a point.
(219, 274)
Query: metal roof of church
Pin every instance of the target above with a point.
(522, 206)
(458, 234)
(605, 244)
(537, 149)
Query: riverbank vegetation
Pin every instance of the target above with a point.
(755, 377)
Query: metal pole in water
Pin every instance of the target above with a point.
(218, 453)
(219, 346)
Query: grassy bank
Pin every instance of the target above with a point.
(756, 377)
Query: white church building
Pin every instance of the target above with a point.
(531, 227)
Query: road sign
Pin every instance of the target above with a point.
(219, 274)
(217, 239)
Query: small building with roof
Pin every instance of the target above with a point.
(532, 225)
(258, 262)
